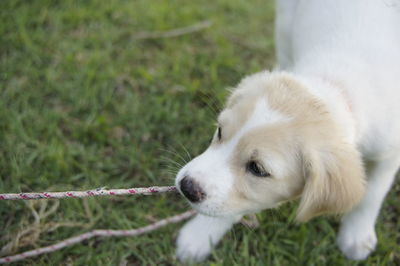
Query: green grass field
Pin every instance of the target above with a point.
(93, 94)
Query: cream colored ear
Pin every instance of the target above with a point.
(334, 181)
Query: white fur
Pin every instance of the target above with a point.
(200, 234)
(211, 169)
(348, 54)
(362, 51)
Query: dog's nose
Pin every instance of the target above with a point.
(191, 190)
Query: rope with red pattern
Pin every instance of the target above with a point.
(95, 233)
(83, 194)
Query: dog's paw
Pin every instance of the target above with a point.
(198, 236)
(192, 245)
(356, 243)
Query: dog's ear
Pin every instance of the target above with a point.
(334, 180)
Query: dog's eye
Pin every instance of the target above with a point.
(219, 133)
(257, 169)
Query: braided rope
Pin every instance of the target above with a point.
(95, 233)
(84, 194)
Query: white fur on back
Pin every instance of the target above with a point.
(358, 44)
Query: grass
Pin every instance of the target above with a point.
(84, 103)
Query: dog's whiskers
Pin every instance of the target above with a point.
(186, 151)
(175, 153)
(167, 159)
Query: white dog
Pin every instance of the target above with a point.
(324, 128)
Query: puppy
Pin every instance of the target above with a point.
(323, 128)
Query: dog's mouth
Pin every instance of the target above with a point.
(204, 207)
(210, 207)
(215, 210)
(201, 207)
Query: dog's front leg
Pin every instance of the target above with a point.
(357, 238)
(200, 235)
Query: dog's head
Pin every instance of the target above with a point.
(274, 142)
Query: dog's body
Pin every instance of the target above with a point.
(302, 133)
(357, 44)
